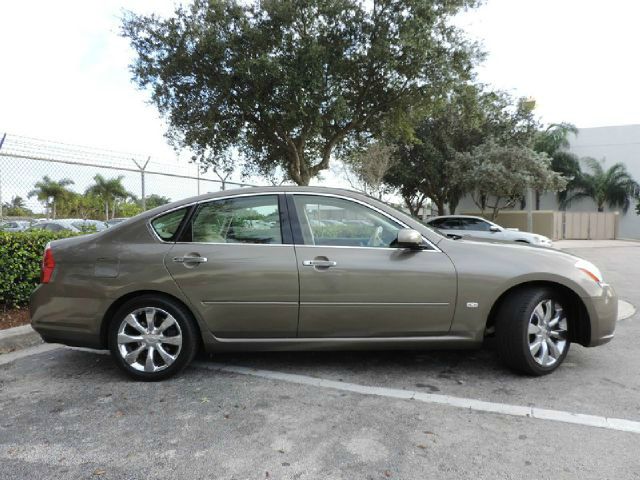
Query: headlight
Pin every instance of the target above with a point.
(590, 270)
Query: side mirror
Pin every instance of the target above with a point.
(494, 229)
(409, 238)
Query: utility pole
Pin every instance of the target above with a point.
(142, 169)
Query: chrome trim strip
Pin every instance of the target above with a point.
(232, 302)
(185, 205)
(433, 247)
(375, 304)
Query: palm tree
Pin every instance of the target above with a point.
(51, 192)
(554, 141)
(567, 165)
(613, 187)
(109, 191)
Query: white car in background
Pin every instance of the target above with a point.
(478, 227)
(14, 226)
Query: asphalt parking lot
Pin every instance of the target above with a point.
(70, 414)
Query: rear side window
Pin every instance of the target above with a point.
(238, 220)
(166, 226)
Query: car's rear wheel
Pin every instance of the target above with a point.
(152, 338)
(532, 330)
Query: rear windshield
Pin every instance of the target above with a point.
(166, 226)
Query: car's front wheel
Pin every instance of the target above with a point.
(532, 331)
(152, 338)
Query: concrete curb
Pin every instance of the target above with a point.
(16, 338)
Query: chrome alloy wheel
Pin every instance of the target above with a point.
(547, 333)
(149, 339)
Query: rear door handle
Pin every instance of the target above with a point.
(190, 259)
(319, 263)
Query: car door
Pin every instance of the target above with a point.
(236, 263)
(353, 283)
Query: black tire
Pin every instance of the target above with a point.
(512, 329)
(186, 328)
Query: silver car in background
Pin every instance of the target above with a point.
(478, 227)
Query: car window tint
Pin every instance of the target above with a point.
(451, 224)
(476, 224)
(238, 220)
(166, 226)
(340, 222)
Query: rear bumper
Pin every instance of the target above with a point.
(60, 318)
(603, 314)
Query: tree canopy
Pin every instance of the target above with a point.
(289, 81)
(462, 119)
(498, 175)
(51, 192)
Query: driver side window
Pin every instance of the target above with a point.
(331, 221)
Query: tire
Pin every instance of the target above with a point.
(528, 322)
(156, 352)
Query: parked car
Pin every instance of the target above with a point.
(478, 227)
(76, 225)
(198, 273)
(14, 226)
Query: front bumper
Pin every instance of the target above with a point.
(603, 315)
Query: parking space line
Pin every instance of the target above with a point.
(597, 421)
(618, 424)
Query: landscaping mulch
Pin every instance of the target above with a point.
(13, 317)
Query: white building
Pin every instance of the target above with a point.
(611, 144)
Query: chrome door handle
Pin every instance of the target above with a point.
(319, 263)
(190, 259)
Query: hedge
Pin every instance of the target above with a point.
(20, 259)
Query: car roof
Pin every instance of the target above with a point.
(258, 190)
(444, 217)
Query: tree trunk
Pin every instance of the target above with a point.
(106, 210)
(538, 195)
(494, 213)
(53, 210)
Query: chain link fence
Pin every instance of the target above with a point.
(42, 179)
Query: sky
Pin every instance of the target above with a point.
(64, 68)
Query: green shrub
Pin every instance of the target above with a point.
(20, 259)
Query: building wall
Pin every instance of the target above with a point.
(613, 144)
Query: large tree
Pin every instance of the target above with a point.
(51, 192)
(461, 120)
(614, 186)
(289, 81)
(498, 175)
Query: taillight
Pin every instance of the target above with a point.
(48, 264)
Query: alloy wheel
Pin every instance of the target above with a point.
(149, 339)
(547, 333)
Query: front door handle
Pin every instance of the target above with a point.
(190, 259)
(319, 263)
